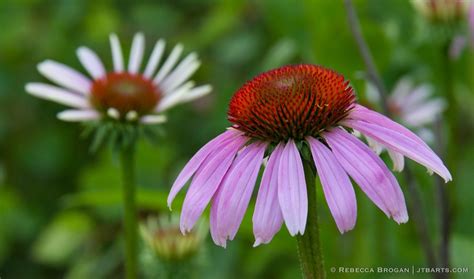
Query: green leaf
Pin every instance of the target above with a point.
(62, 238)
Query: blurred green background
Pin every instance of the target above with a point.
(60, 204)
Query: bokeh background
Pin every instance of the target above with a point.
(60, 204)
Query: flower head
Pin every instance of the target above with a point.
(271, 107)
(162, 236)
(122, 94)
(442, 10)
(276, 116)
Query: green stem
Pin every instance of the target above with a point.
(129, 215)
(309, 247)
(442, 194)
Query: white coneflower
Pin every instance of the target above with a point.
(125, 93)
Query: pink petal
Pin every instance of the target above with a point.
(197, 160)
(403, 144)
(216, 235)
(267, 218)
(292, 194)
(364, 114)
(336, 184)
(369, 172)
(206, 181)
(237, 189)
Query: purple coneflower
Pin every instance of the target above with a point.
(125, 93)
(276, 116)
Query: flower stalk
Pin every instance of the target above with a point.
(129, 206)
(309, 246)
(442, 194)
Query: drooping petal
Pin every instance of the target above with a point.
(369, 172)
(206, 181)
(91, 62)
(155, 58)
(364, 114)
(267, 218)
(191, 167)
(403, 144)
(217, 236)
(169, 63)
(57, 94)
(397, 159)
(237, 188)
(117, 56)
(292, 193)
(337, 186)
(136, 53)
(65, 76)
(73, 115)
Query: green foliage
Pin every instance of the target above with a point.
(62, 238)
(118, 134)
